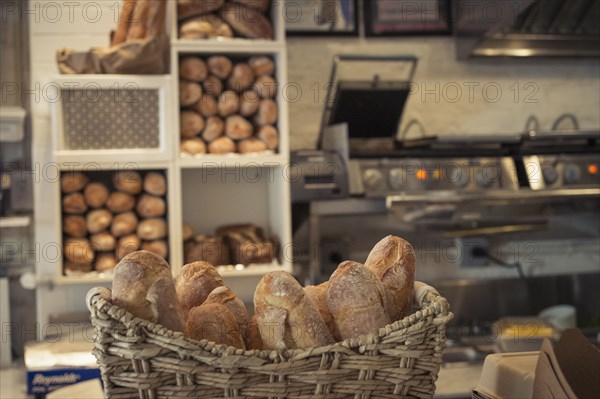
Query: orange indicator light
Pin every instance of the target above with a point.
(593, 169)
(421, 174)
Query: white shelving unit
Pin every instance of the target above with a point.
(202, 191)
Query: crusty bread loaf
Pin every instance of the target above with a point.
(225, 296)
(105, 262)
(392, 260)
(155, 183)
(222, 145)
(253, 339)
(356, 300)
(318, 295)
(152, 229)
(213, 86)
(74, 226)
(128, 181)
(194, 283)
(159, 247)
(262, 65)
(282, 309)
(150, 206)
(190, 8)
(220, 66)
(96, 195)
(247, 21)
(214, 128)
(120, 202)
(98, 220)
(72, 181)
(127, 245)
(269, 135)
(143, 285)
(206, 106)
(214, 322)
(74, 203)
(251, 145)
(124, 223)
(193, 68)
(78, 250)
(103, 241)
(193, 146)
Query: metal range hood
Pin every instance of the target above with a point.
(526, 28)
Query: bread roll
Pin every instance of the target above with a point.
(214, 128)
(267, 113)
(124, 223)
(128, 181)
(191, 8)
(74, 226)
(268, 134)
(96, 195)
(72, 181)
(318, 296)
(241, 77)
(249, 102)
(74, 203)
(119, 202)
(222, 145)
(105, 262)
(196, 28)
(78, 250)
(143, 286)
(220, 66)
(150, 206)
(103, 241)
(215, 323)
(190, 124)
(189, 93)
(155, 183)
(159, 247)
(262, 66)
(253, 339)
(98, 220)
(213, 86)
(283, 309)
(152, 229)
(266, 86)
(193, 68)
(251, 145)
(188, 232)
(193, 146)
(206, 106)
(247, 21)
(356, 300)
(127, 245)
(224, 296)
(194, 283)
(229, 103)
(392, 260)
(238, 128)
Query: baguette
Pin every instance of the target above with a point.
(356, 300)
(214, 322)
(318, 295)
(286, 317)
(143, 286)
(392, 260)
(226, 297)
(194, 283)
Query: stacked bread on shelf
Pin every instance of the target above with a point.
(243, 244)
(227, 106)
(203, 19)
(108, 215)
(357, 300)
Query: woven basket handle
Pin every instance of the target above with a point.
(94, 293)
(424, 294)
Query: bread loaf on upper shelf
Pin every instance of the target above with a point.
(214, 322)
(392, 260)
(143, 285)
(356, 299)
(194, 283)
(286, 317)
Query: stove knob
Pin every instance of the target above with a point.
(396, 178)
(373, 178)
(550, 174)
(571, 174)
(482, 179)
(458, 176)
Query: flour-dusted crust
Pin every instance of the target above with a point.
(194, 283)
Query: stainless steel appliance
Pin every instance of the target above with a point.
(526, 28)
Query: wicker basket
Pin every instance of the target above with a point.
(142, 359)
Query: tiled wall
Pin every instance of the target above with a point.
(476, 97)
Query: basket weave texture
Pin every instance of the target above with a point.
(141, 359)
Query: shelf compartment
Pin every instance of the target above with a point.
(111, 118)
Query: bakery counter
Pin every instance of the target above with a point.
(456, 380)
